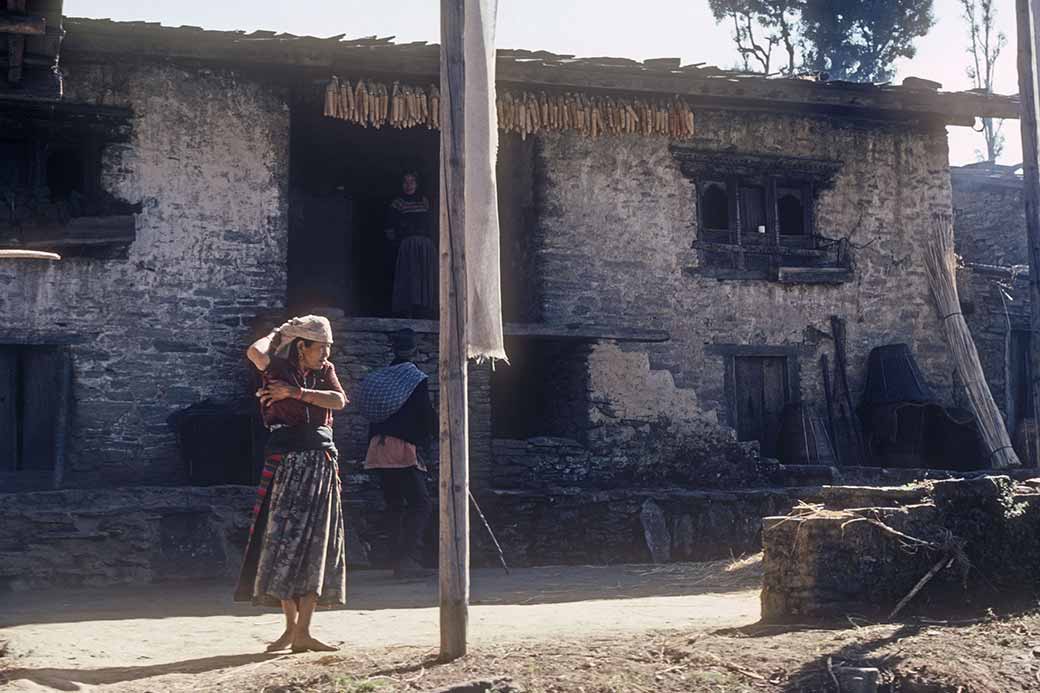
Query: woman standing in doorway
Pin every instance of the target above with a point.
(296, 556)
(409, 222)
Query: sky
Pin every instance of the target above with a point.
(636, 29)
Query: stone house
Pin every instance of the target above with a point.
(668, 282)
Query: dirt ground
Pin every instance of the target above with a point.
(679, 627)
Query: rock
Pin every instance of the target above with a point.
(480, 686)
(655, 529)
(683, 540)
(857, 679)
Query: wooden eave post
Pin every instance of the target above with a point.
(454, 417)
(1028, 88)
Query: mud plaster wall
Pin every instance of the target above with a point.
(617, 220)
(164, 328)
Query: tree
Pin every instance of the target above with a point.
(856, 40)
(860, 40)
(984, 48)
(776, 23)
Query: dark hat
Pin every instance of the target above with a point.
(403, 341)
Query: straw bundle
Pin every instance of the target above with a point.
(372, 104)
(941, 264)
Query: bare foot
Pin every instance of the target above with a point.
(306, 643)
(282, 643)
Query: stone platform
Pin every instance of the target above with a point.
(985, 533)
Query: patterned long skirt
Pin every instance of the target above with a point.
(296, 544)
(415, 278)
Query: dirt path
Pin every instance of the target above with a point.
(172, 637)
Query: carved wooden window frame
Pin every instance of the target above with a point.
(733, 253)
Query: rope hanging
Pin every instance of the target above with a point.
(373, 104)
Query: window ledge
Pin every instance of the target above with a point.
(759, 248)
(81, 232)
(784, 275)
(814, 275)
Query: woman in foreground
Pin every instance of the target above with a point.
(296, 554)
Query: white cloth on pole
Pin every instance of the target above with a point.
(483, 327)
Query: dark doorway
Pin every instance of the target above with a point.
(542, 391)
(1020, 403)
(34, 391)
(343, 179)
(761, 389)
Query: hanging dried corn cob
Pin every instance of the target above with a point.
(328, 109)
(373, 104)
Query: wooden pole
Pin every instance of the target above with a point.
(454, 418)
(1027, 14)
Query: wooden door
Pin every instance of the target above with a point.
(761, 391)
(320, 258)
(1019, 400)
(44, 394)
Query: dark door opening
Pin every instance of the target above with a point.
(34, 391)
(542, 391)
(761, 391)
(343, 179)
(1020, 402)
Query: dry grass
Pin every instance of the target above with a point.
(989, 655)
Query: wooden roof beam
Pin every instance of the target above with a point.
(23, 24)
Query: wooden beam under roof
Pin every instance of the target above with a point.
(704, 88)
(24, 24)
(569, 332)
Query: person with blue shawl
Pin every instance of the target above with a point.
(396, 402)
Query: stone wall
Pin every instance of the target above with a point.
(164, 327)
(617, 220)
(85, 538)
(995, 302)
(833, 563)
(96, 537)
(989, 217)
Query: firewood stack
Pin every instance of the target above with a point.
(371, 104)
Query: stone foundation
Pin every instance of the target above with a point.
(831, 563)
(89, 538)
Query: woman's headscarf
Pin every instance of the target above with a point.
(313, 328)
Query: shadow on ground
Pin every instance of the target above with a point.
(73, 679)
(377, 590)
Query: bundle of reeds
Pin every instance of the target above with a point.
(940, 261)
